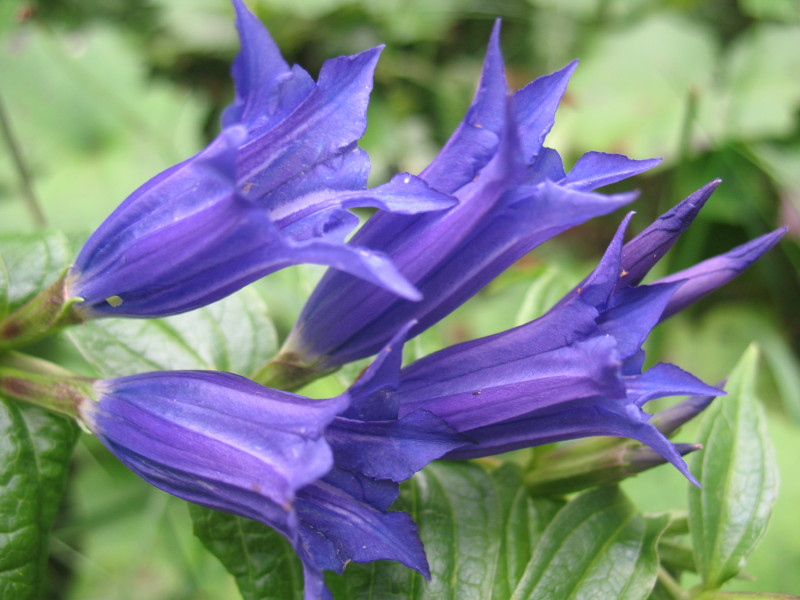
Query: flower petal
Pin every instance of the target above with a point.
(536, 106)
(335, 528)
(646, 249)
(475, 141)
(707, 276)
(394, 449)
(596, 169)
(327, 123)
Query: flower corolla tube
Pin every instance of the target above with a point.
(272, 190)
(513, 195)
(320, 473)
(578, 370)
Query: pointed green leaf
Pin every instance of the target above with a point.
(739, 476)
(35, 449)
(33, 262)
(597, 546)
(478, 529)
(262, 561)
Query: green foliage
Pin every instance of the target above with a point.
(35, 451)
(260, 559)
(478, 528)
(740, 482)
(234, 335)
(30, 264)
(597, 546)
(35, 445)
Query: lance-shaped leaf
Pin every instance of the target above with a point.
(739, 476)
(597, 546)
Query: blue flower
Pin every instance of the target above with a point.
(269, 192)
(578, 370)
(319, 472)
(513, 194)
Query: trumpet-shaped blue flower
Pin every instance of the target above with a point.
(578, 370)
(317, 471)
(270, 191)
(513, 194)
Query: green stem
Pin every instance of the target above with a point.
(44, 315)
(43, 384)
(286, 372)
(25, 179)
(672, 587)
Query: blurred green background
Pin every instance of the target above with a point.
(102, 94)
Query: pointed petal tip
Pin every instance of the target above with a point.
(496, 28)
(240, 7)
(567, 70)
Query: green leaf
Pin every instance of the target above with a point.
(739, 476)
(262, 561)
(478, 529)
(35, 449)
(760, 101)
(35, 446)
(234, 334)
(596, 547)
(32, 263)
(645, 71)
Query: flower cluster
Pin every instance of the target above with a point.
(273, 190)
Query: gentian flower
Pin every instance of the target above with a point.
(269, 192)
(322, 473)
(578, 370)
(513, 194)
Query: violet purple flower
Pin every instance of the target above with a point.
(269, 192)
(513, 195)
(325, 482)
(578, 370)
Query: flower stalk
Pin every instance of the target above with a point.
(45, 314)
(43, 384)
(286, 371)
(596, 461)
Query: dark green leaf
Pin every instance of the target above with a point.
(262, 561)
(234, 334)
(478, 529)
(35, 449)
(739, 476)
(33, 262)
(596, 547)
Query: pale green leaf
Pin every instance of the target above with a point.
(739, 476)
(597, 546)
